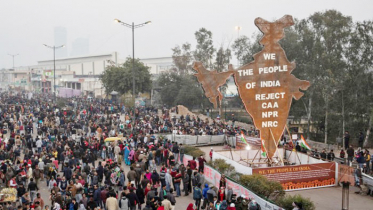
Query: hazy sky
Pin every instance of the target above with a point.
(26, 24)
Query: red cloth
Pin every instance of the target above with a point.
(190, 207)
(193, 164)
(55, 162)
(221, 195)
(146, 191)
(201, 161)
(177, 178)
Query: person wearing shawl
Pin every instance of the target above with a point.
(126, 154)
(132, 156)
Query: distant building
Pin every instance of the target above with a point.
(81, 73)
(158, 65)
(80, 47)
(60, 38)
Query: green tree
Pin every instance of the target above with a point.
(119, 78)
(177, 89)
(182, 58)
(332, 33)
(244, 48)
(260, 185)
(222, 60)
(205, 50)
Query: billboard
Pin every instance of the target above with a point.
(266, 85)
(48, 73)
(301, 176)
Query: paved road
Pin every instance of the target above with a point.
(330, 198)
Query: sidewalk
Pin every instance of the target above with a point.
(330, 198)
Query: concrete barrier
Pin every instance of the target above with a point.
(198, 140)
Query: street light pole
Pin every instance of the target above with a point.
(54, 67)
(54, 72)
(133, 74)
(133, 27)
(13, 59)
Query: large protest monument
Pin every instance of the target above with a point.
(265, 85)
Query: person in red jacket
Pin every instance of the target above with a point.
(211, 151)
(232, 207)
(193, 163)
(201, 163)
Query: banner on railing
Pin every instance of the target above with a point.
(301, 176)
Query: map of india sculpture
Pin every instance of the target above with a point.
(265, 85)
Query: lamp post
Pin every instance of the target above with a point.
(248, 148)
(133, 27)
(13, 58)
(238, 28)
(54, 66)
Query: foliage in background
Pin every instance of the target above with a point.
(286, 202)
(193, 151)
(262, 186)
(119, 78)
(179, 89)
(222, 166)
(182, 58)
(244, 48)
(225, 168)
(205, 50)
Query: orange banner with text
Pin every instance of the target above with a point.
(301, 176)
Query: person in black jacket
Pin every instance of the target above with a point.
(347, 139)
(350, 154)
(133, 199)
(74, 204)
(32, 187)
(20, 190)
(91, 204)
(67, 172)
(140, 195)
(100, 171)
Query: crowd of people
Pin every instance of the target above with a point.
(88, 154)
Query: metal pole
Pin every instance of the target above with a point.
(343, 122)
(133, 72)
(345, 195)
(54, 72)
(225, 112)
(13, 62)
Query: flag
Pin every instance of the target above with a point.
(243, 139)
(304, 144)
(264, 152)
